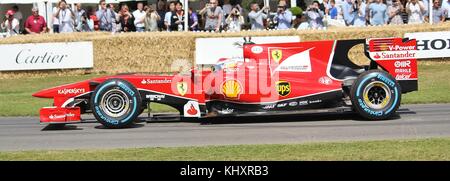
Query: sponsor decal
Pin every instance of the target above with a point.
(269, 106)
(392, 48)
(126, 88)
(295, 61)
(281, 105)
(257, 49)
(303, 103)
(277, 55)
(368, 110)
(386, 80)
(283, 88)
(231, 89)
(325, 80)
(40, 56)
(315, 101)
(431, 44)
(191, 109)
(292, 104)
(26, 56)
(393, 55)
(155, 97)
(403, 70)
(182, 88)
(62, 116)
(226, 111)
(71, 91)
(401, 48)
(158, 81)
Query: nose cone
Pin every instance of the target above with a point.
(47, 93)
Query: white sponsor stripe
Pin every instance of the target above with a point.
(330, 61)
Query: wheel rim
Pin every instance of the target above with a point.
(115, 103)
(377, 95)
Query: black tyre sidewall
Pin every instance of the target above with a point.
(131, 92)
(358, 100)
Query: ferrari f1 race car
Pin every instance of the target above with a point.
(278, 78)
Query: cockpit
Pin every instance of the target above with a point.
(226, 64)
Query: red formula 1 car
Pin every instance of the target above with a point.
(271, 79)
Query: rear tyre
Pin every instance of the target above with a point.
(116, 103)
(375, 95)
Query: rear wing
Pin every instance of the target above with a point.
(396, 56)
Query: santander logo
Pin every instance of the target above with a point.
(377, 56)
(192, 110)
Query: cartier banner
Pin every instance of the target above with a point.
(39, 56)
(431, 44)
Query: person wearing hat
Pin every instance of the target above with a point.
(11, 24)
(35, 24)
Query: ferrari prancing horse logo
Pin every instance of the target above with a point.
(277, 55)
(182, 88)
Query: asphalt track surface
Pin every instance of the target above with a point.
(412, 121)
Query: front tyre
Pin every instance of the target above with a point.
(375, 95)
(116, 103)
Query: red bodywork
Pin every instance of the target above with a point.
(269, 78)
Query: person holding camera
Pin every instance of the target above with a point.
(151, 19)
(395, 12)
(415, 10)
(214, 15)
(126, 19)
(235, 20)
(257, 16)
(284, 16)
(359, 11)
(66, 17)
(315, 15)
(10, 24)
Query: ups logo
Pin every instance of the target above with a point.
(283, 88)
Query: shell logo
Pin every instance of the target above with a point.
(231, 89)
(384, 47)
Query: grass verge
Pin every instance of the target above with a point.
(16, 99)
(421, 149)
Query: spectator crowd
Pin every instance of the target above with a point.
(228, 16)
